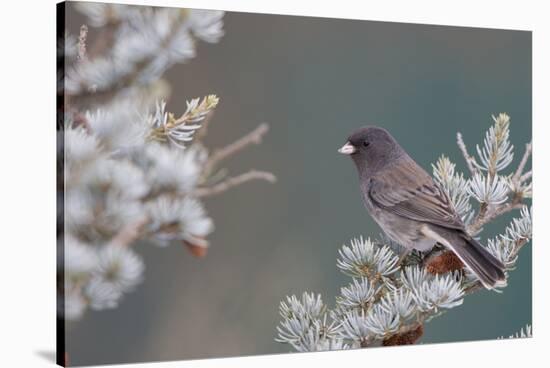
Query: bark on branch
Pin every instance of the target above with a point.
(233, 182)
(254, 137)
(470, 160)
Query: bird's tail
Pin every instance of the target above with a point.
(483, 264)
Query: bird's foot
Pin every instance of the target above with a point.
(403, 256)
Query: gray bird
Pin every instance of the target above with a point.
(410, 207)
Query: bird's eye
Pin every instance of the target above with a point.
(366, 144)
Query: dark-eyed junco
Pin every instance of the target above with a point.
(409, 207)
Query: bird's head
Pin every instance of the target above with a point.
(371, 146)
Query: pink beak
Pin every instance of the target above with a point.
(347, 149)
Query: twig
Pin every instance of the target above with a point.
(486, 213)
(235, 181)
(493, 214)
(479, 221)
(129, 233)
(254, 137)
(526, 176)
(201, 133)
(82, 43)
(501, 210)
(470, 160)
(517, 176)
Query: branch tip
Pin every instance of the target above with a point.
(253, 137)
(470, 160)
(528, 149)
(235, 181)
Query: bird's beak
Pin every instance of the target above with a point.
(347, 149)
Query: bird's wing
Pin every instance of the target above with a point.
(407, 190)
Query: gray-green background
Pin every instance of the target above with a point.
(314, 80)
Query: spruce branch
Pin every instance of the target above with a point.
(166, 127)
(132, 170)
(486, 217)
(125, 59)
(496, 155)
(391, 299)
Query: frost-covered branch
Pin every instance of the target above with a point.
(179, 131)
(390, 300)
(146, 41)
(133, 171)
(498, 194)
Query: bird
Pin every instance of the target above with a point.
(410, 207)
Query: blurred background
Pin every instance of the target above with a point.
(314, 80)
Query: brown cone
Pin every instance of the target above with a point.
(198, 251)
(405, 338)
(443, 263)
